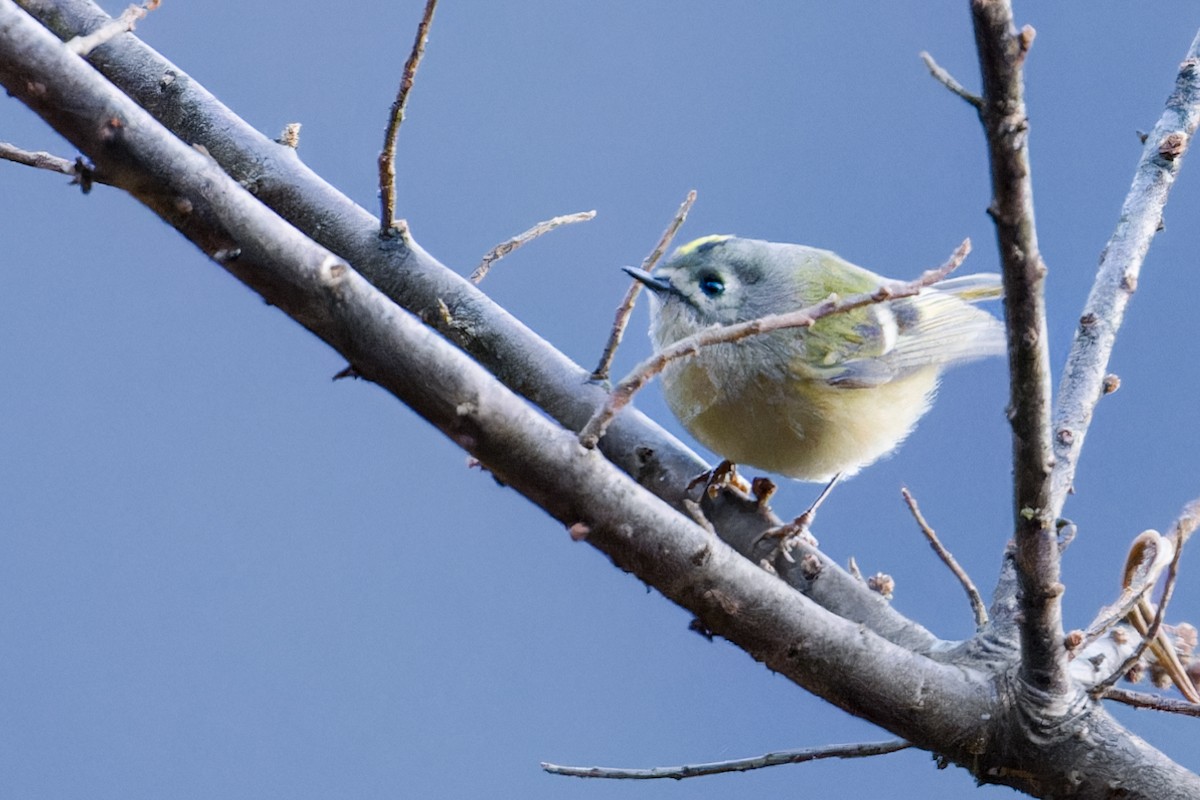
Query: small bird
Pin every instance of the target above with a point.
(809, 403)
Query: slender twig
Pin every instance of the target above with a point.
(1083, 380)
(861, 750)
(946, 79)
(1187, 523)
(977, 605)
(624, 391)
(508, 245)
(621, 320)
(40, 159)
(852, 568)
(82, 45)
(84, 174)
(1152, 701)
(1002, 51)
(387, 158)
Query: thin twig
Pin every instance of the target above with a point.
(977, 606)
(1151, 701)
(387, 158)
(621, 321)
(40, 159)
(861, 750)
(504, 248)
(1083, 380)
(624, 391)
(83, 173)
(83, 45)
(946, 79)
(1187, 523)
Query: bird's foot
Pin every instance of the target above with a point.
(722, 476)
(790, 534)
(799, 530)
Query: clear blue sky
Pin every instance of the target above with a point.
(224, 575)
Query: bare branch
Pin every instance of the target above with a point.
(1187, 523)
(946, 79)
(1084, 378)
(517, 443)
(387, 158)
(39, 159)
(688, 346)
(621, 320)
(691, 567)
(732, 597)
(1152, 701)
(1002, 51)
(504, 248)
(860, 750)
(977, 604)
(82, 45)
(416, 281)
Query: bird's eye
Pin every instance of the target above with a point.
(712, 285)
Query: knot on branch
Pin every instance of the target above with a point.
(1041, 718)
(1172, 146)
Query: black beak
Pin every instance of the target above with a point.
(656, 285)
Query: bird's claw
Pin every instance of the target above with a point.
(722, 476)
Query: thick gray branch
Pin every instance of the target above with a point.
(413, 279)
(835, 658)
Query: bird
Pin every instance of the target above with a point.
(817, 403)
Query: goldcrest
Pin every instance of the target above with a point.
(808, 403)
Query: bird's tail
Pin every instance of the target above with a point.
(973, 288)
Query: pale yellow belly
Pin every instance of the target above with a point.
(810, 434)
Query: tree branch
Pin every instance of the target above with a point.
(521, 239)
(1153, 701)
(1002, 51)
(860, 750)
(977, 606)
(387, 157)
(955, 709)
(835, 658)
(413, 279)
(943, 77)
(625, 308)
(1084, 378)
(39, 159)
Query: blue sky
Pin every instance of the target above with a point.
(224, 575)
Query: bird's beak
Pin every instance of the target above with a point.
(656, 285)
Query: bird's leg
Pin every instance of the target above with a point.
(805, 520)
(800, 529)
